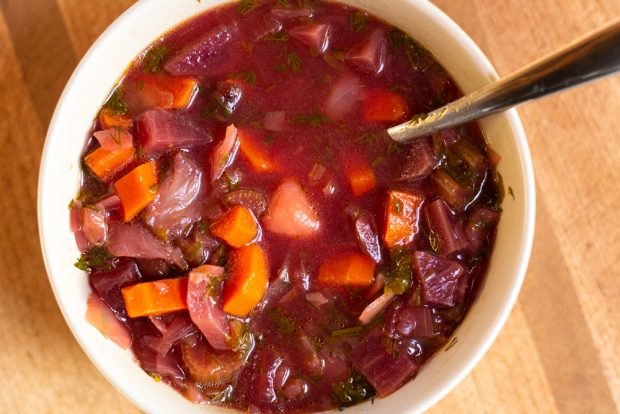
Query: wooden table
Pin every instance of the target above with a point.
(559, 351)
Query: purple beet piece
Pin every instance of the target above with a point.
(481, 223)
(367, 236)
(385, 371)
(204, 54)
(440, 279)
(108, 284)
(446, 236)
(159, 130)
(449, 189)
(414, 322)
(420, 160)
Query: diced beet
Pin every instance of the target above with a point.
(343, 97)
(153, 268)
(292, 13)
(203, 300)
(94, 225)
(370, 54)
(114, 139)
(203, 55)
(385, 372)
(313, 35)
(134, 240)
(255, 200)
(440, 279)
(274, 121)
(108, 284)
(445, 138)
(159, 130)
(446, 237)
(414, 321)
(420, 160)
(101, 317)
(367, 236)
(449, 189)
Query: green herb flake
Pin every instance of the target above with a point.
(247, 76)
(314, 120)
(357, 21)
(367, 139)
(94, 257)
(154, 58)
(434, 241)
(377, 161)
(351, 331)
(280, 36)
(284, 323)
(511, 193)
(394, 148)
(116, 103)
(246, 6)
(397, 206)
(354, 389)
(293, 62)
(398, 277)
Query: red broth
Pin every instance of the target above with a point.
(247, 149)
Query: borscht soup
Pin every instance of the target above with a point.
(250, 231)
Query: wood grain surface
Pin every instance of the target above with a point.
(559, 351)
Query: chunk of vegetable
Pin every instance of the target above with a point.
(99, 315)
(343, 97)
(135, 240)
(449, 189)
(249, 277)
(114, 138)
(203, 301)
(445, 236)
(401, 218)
(348, 269)
(381, 105)
(314, 35)
(367, 235)
(112, 119)
(255, 152)
(164, 91)
(107, 284)
(94, 225)
(178, 203)
(137, 189)
(440, 279)
(155, 298)
(209, 366)
(420, 160)
(253, 199)
(370, 54)
(375, 307)
(224, 153)
(104, 163)
(237, 227)
(361, 178)
(290, 212)
(159, 130)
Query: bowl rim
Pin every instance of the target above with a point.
(512, 118)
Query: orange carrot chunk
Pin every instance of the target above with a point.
(255, 152)
(137, 189)
(155, 298)
(350, 269)
(381, 105)
(401, 218)
(249, 277)
(167, 92)
(106, 162)
(361, 179)
(110, 119)
(237, 227)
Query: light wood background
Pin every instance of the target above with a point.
(559, 351)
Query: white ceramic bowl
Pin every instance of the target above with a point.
(105, 63)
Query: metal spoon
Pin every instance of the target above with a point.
(590, 57)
